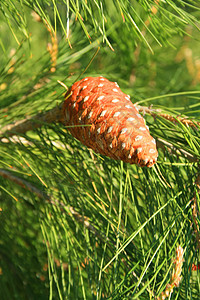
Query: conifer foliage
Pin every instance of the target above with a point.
(80, 219)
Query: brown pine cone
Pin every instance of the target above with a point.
(103, 118)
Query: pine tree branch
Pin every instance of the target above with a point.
(42, 195)
(162, 144)
(156, 112)
(56, 115)
(52, 47)
(30, 123)
(195, 213)
(175, 276)
(23, 183)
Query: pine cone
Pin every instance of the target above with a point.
(103, 118)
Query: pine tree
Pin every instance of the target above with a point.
(76, 224)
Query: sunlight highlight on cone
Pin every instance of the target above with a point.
(103, 118)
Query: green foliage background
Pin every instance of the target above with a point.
(82, 226)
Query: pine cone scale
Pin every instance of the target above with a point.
(103, 118)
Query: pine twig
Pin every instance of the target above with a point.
(56, 115)
(42, 195)
(30, 123)
(154, 10)
(195, 214)
(158, 112)
(176, 274)
(162, 144)
(52, 47)
(23, 183)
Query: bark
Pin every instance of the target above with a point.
(30, 123)
(157, 112)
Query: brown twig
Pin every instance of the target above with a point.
(158, 112)
(23, 183)
(52, 47)
(42, 195)
(176, 274)
(56, 115)
(30, 123)
(162, 144)
(154, 10)
(195, 213)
